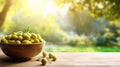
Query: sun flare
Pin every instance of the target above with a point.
(45, 7)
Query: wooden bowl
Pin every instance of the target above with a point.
(22, 51)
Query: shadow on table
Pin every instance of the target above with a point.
(4, 60)
(9, 60)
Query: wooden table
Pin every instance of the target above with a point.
(69, 59)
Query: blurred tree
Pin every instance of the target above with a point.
(78, 20)
(114, 29)
(109, 9)
(99, 26)
(4, 11)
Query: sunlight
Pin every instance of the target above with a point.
(49, 8)
(33, 4)
(99, 5)
(44, 7)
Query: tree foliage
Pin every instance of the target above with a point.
(110, 9)
(78, 20)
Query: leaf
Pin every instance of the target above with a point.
(27, 30)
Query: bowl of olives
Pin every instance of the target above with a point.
(22, 46)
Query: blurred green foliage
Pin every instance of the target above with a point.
(82, 40)
(108, 39)
(105, 8)
(67, 48)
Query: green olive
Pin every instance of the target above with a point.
(11, 41)
(38, 36)
(14, 37)
(44, 61)
(54, 58)
(26, 42)
(19, 34)
(50, 55)
(44, 54)
(26, 37)
(18, 42)
(36, 41)
(14, 33)
(9, 37)
(20, 38)
(4, 41)
(40, 40)
(34, 36)
(32, 40)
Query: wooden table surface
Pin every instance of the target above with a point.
(69, 59)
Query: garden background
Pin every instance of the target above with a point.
(66, 25)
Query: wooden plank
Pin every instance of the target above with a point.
(70, 59)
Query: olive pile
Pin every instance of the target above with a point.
(47, 58)
(21, 38)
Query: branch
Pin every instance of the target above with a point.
(4, 11)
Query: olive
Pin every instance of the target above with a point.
(36, 41)
(14, 33)
(19, 34)
(4, 41)
(40, 40)
(32, 40)
(26, 37)
(38, 36)
(9, 37)
(11, 41)
(20, 38)
(54, 58)
(14, 37)
(33, 36)
(26, 42)
(44, 54)
(44, 61)
(50, 55)
(18, 42)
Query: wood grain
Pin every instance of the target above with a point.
(69, 59)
